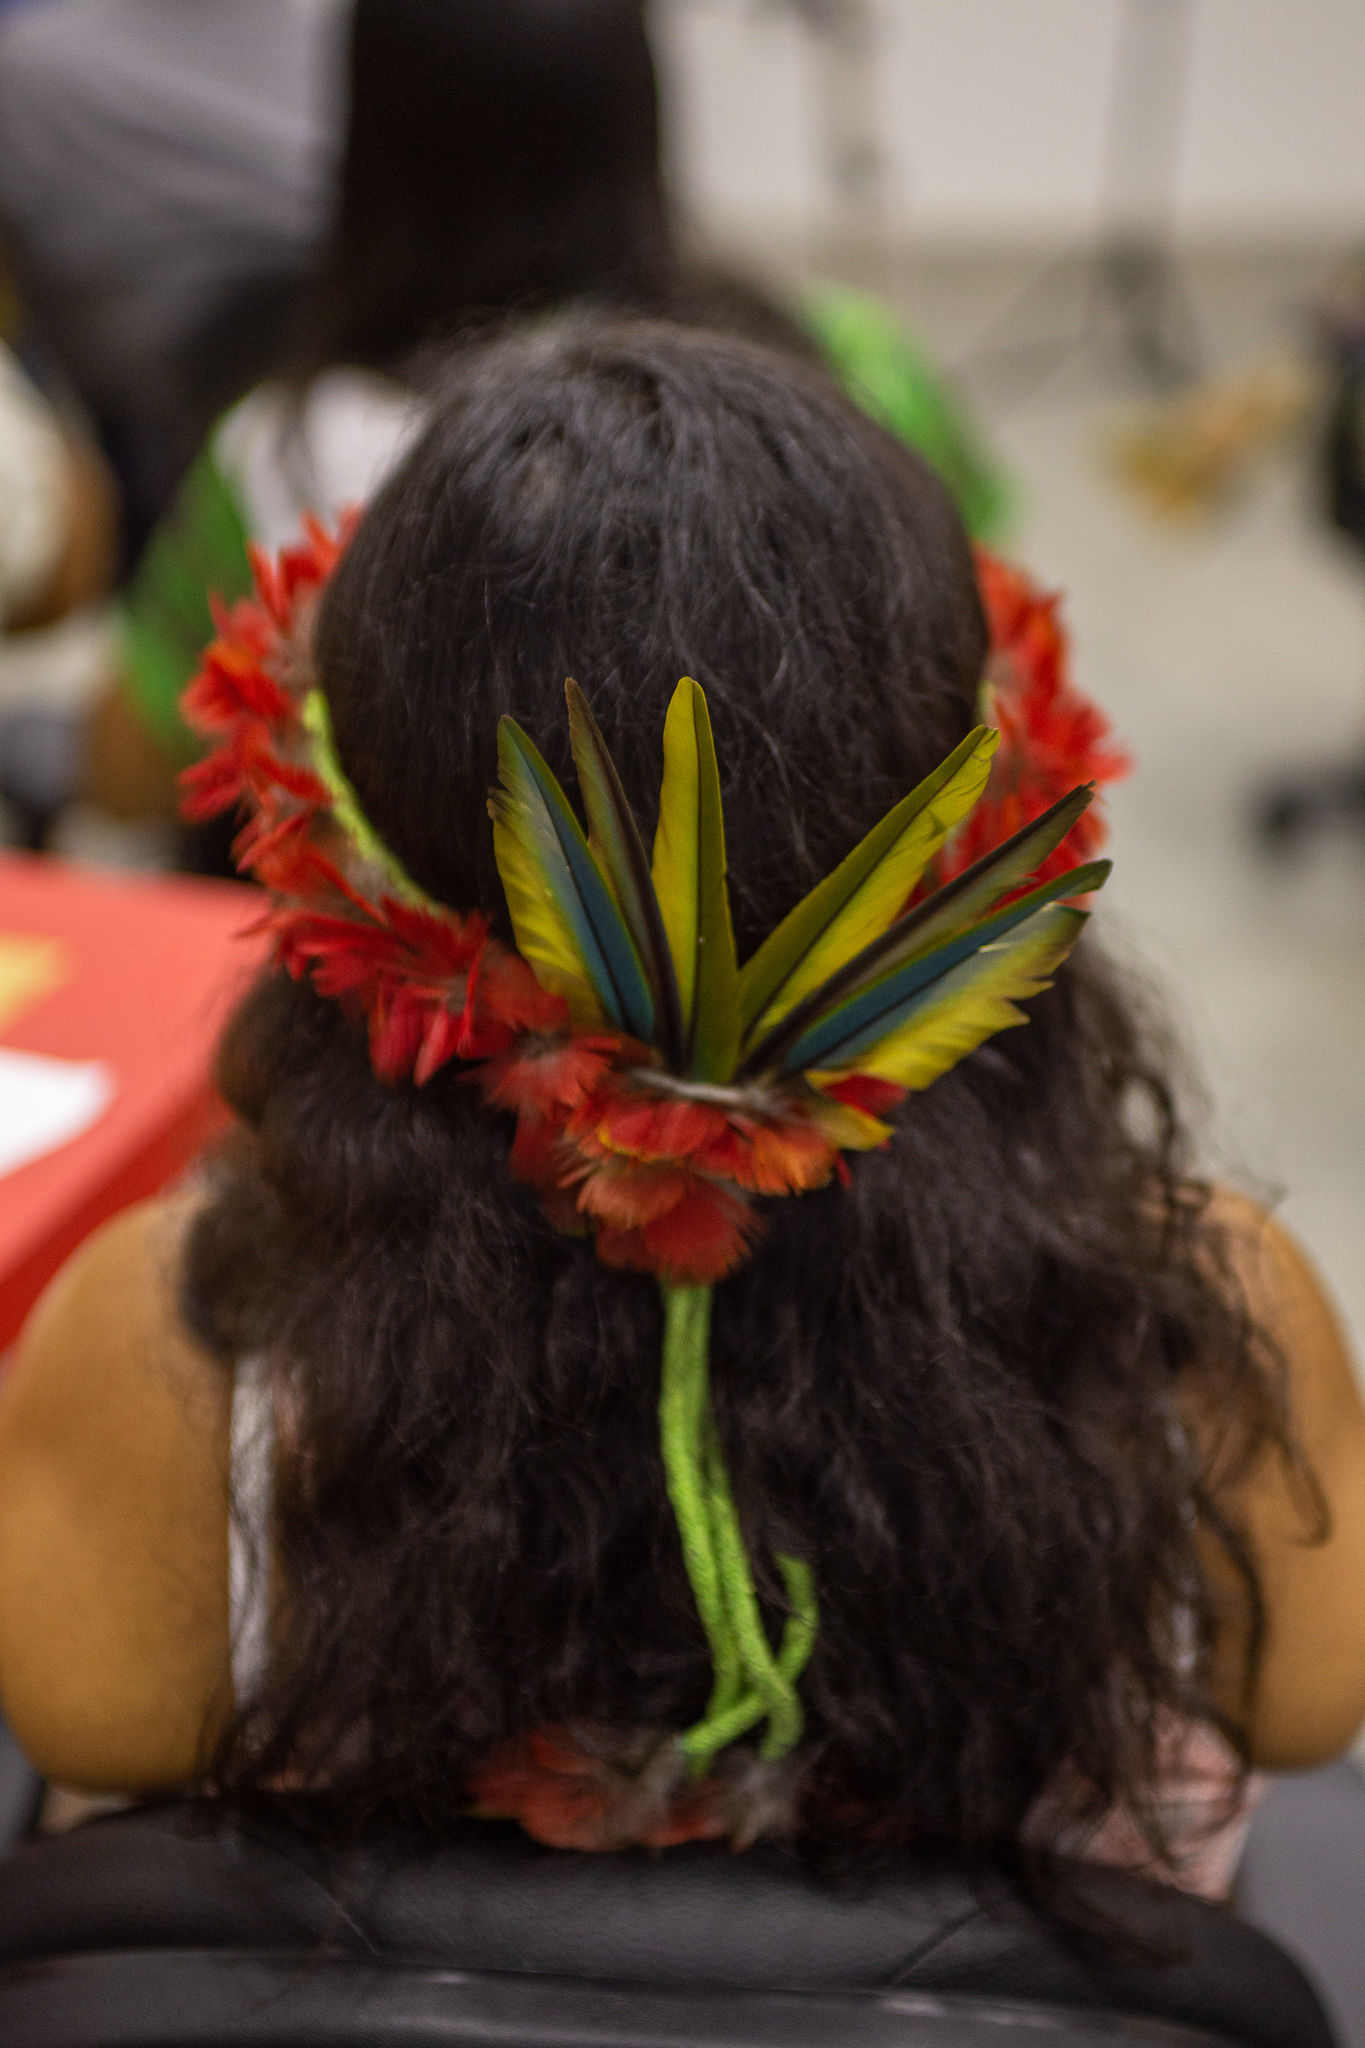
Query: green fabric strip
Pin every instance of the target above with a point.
(198, 548)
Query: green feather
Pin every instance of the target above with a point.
(851, 906)
(867, 1003)
(614, 839)
(689, 881)
(957, 1013)
(566, 922)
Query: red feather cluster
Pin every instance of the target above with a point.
(1052, 736)
(432, 985)
(564, 1795)
(665, 1180)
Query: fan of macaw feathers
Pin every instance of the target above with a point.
(715, 1083)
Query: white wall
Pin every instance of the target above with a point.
(992, 114)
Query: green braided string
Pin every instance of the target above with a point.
(316, 719)
(683, 1403)
(751, 1685)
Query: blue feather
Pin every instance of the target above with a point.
(881, 1007)
(544, 855)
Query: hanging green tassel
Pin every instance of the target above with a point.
(751, 1684)
(741, 1090)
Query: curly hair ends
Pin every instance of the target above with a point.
(954, 1389)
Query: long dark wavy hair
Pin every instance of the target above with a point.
(955, 1388)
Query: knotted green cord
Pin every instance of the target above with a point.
(751, 1685)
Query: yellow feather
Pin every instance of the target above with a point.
(884, 893)
(973, 1002)
(674, 866)
(544, 937)
(852, 1130)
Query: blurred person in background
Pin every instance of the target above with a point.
(501, 159)
(165, 175)
(56, 511)
(57, 546)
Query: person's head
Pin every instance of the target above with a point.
(501, 156)
(952, 1388)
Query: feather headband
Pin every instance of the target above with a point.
(659, 1086)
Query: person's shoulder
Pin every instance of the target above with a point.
(1303, 1514)
(1285, 1293)
(114, 1458)
(115, 1293)
(1288, 1300)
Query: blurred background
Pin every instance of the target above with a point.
(1128, 232)
(1120, 222)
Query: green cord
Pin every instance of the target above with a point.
(778, 1694)
(317, 723)
(751, 1685)
(682, 1417)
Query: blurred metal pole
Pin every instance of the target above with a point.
(844, 41)
(1137, 267)
(845, 38)
(1131, 289)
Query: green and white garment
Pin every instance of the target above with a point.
(269, 461)
(273, 458)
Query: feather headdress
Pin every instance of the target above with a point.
(659, 1086)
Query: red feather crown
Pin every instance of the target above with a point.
(665, 1184)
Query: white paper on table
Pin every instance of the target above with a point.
(46, 1102)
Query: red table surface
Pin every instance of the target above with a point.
(155, 964)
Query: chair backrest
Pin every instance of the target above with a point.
(206, 1998)
(193, 1929)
